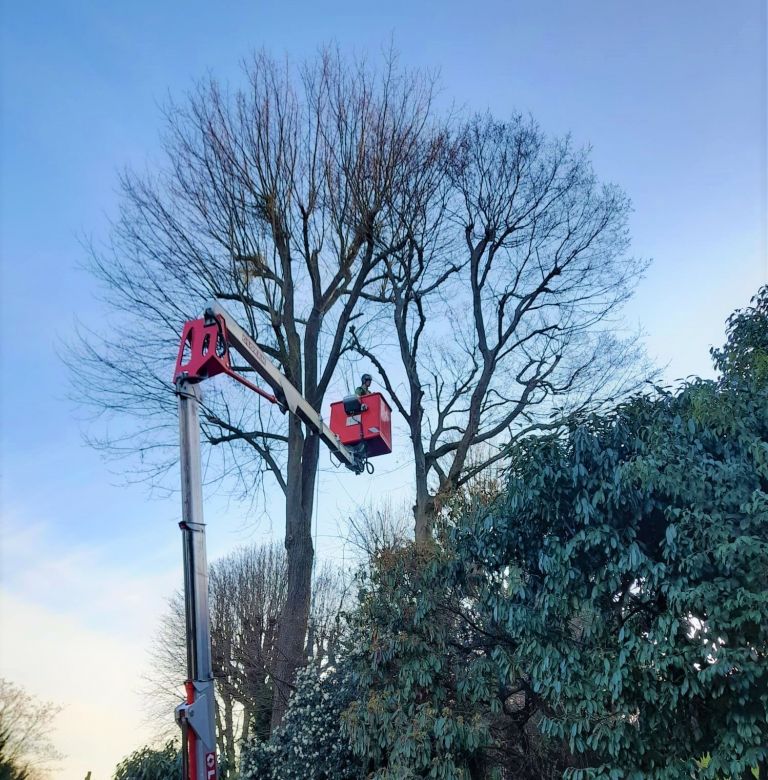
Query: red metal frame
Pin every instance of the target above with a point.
(191, 736)
(204, 352)
(372, 426)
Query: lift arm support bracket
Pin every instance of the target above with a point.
(204, 352)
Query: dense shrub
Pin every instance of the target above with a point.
(149, 763)
(606, 617)
(309, 744)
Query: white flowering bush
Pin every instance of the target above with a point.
(309, 745)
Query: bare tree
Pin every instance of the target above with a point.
(327, 631)
(247, 593)
(284, 199)
(378, 527)
(503, 303)
(25, 724)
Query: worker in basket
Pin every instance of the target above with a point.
(365, 385)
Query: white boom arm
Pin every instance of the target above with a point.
(287, 395)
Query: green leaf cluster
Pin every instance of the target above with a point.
(149, 763)
(626, 569)
(744, 358)
(309, 744)
(425, 711)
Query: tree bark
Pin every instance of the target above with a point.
(292, 625)
(424, 508)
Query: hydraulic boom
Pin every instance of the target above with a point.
(203, 353)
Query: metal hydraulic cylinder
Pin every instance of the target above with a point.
(196, 715)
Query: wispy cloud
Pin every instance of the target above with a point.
(75, 626)
(92, 674)
(92, 583)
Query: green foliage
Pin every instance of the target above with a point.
(607, 617)
(151, 764)
(745, 357)
(630, 562)
(309, 744)
(425, 708)
(431, 704)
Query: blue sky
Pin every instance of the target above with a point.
(671, 96)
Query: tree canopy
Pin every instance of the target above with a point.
(503, 302)
(149, 763)
(283, 198)
(322, 202)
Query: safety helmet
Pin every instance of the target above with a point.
(367, 378)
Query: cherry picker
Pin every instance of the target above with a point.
(358, 432)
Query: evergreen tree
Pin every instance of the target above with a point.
(606, 617)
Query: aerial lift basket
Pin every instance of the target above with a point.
(363, 419)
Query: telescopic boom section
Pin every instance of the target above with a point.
(204, 352)
(196, 715)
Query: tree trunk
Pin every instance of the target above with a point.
(424, 508)
(229, 733)
(292, 625)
